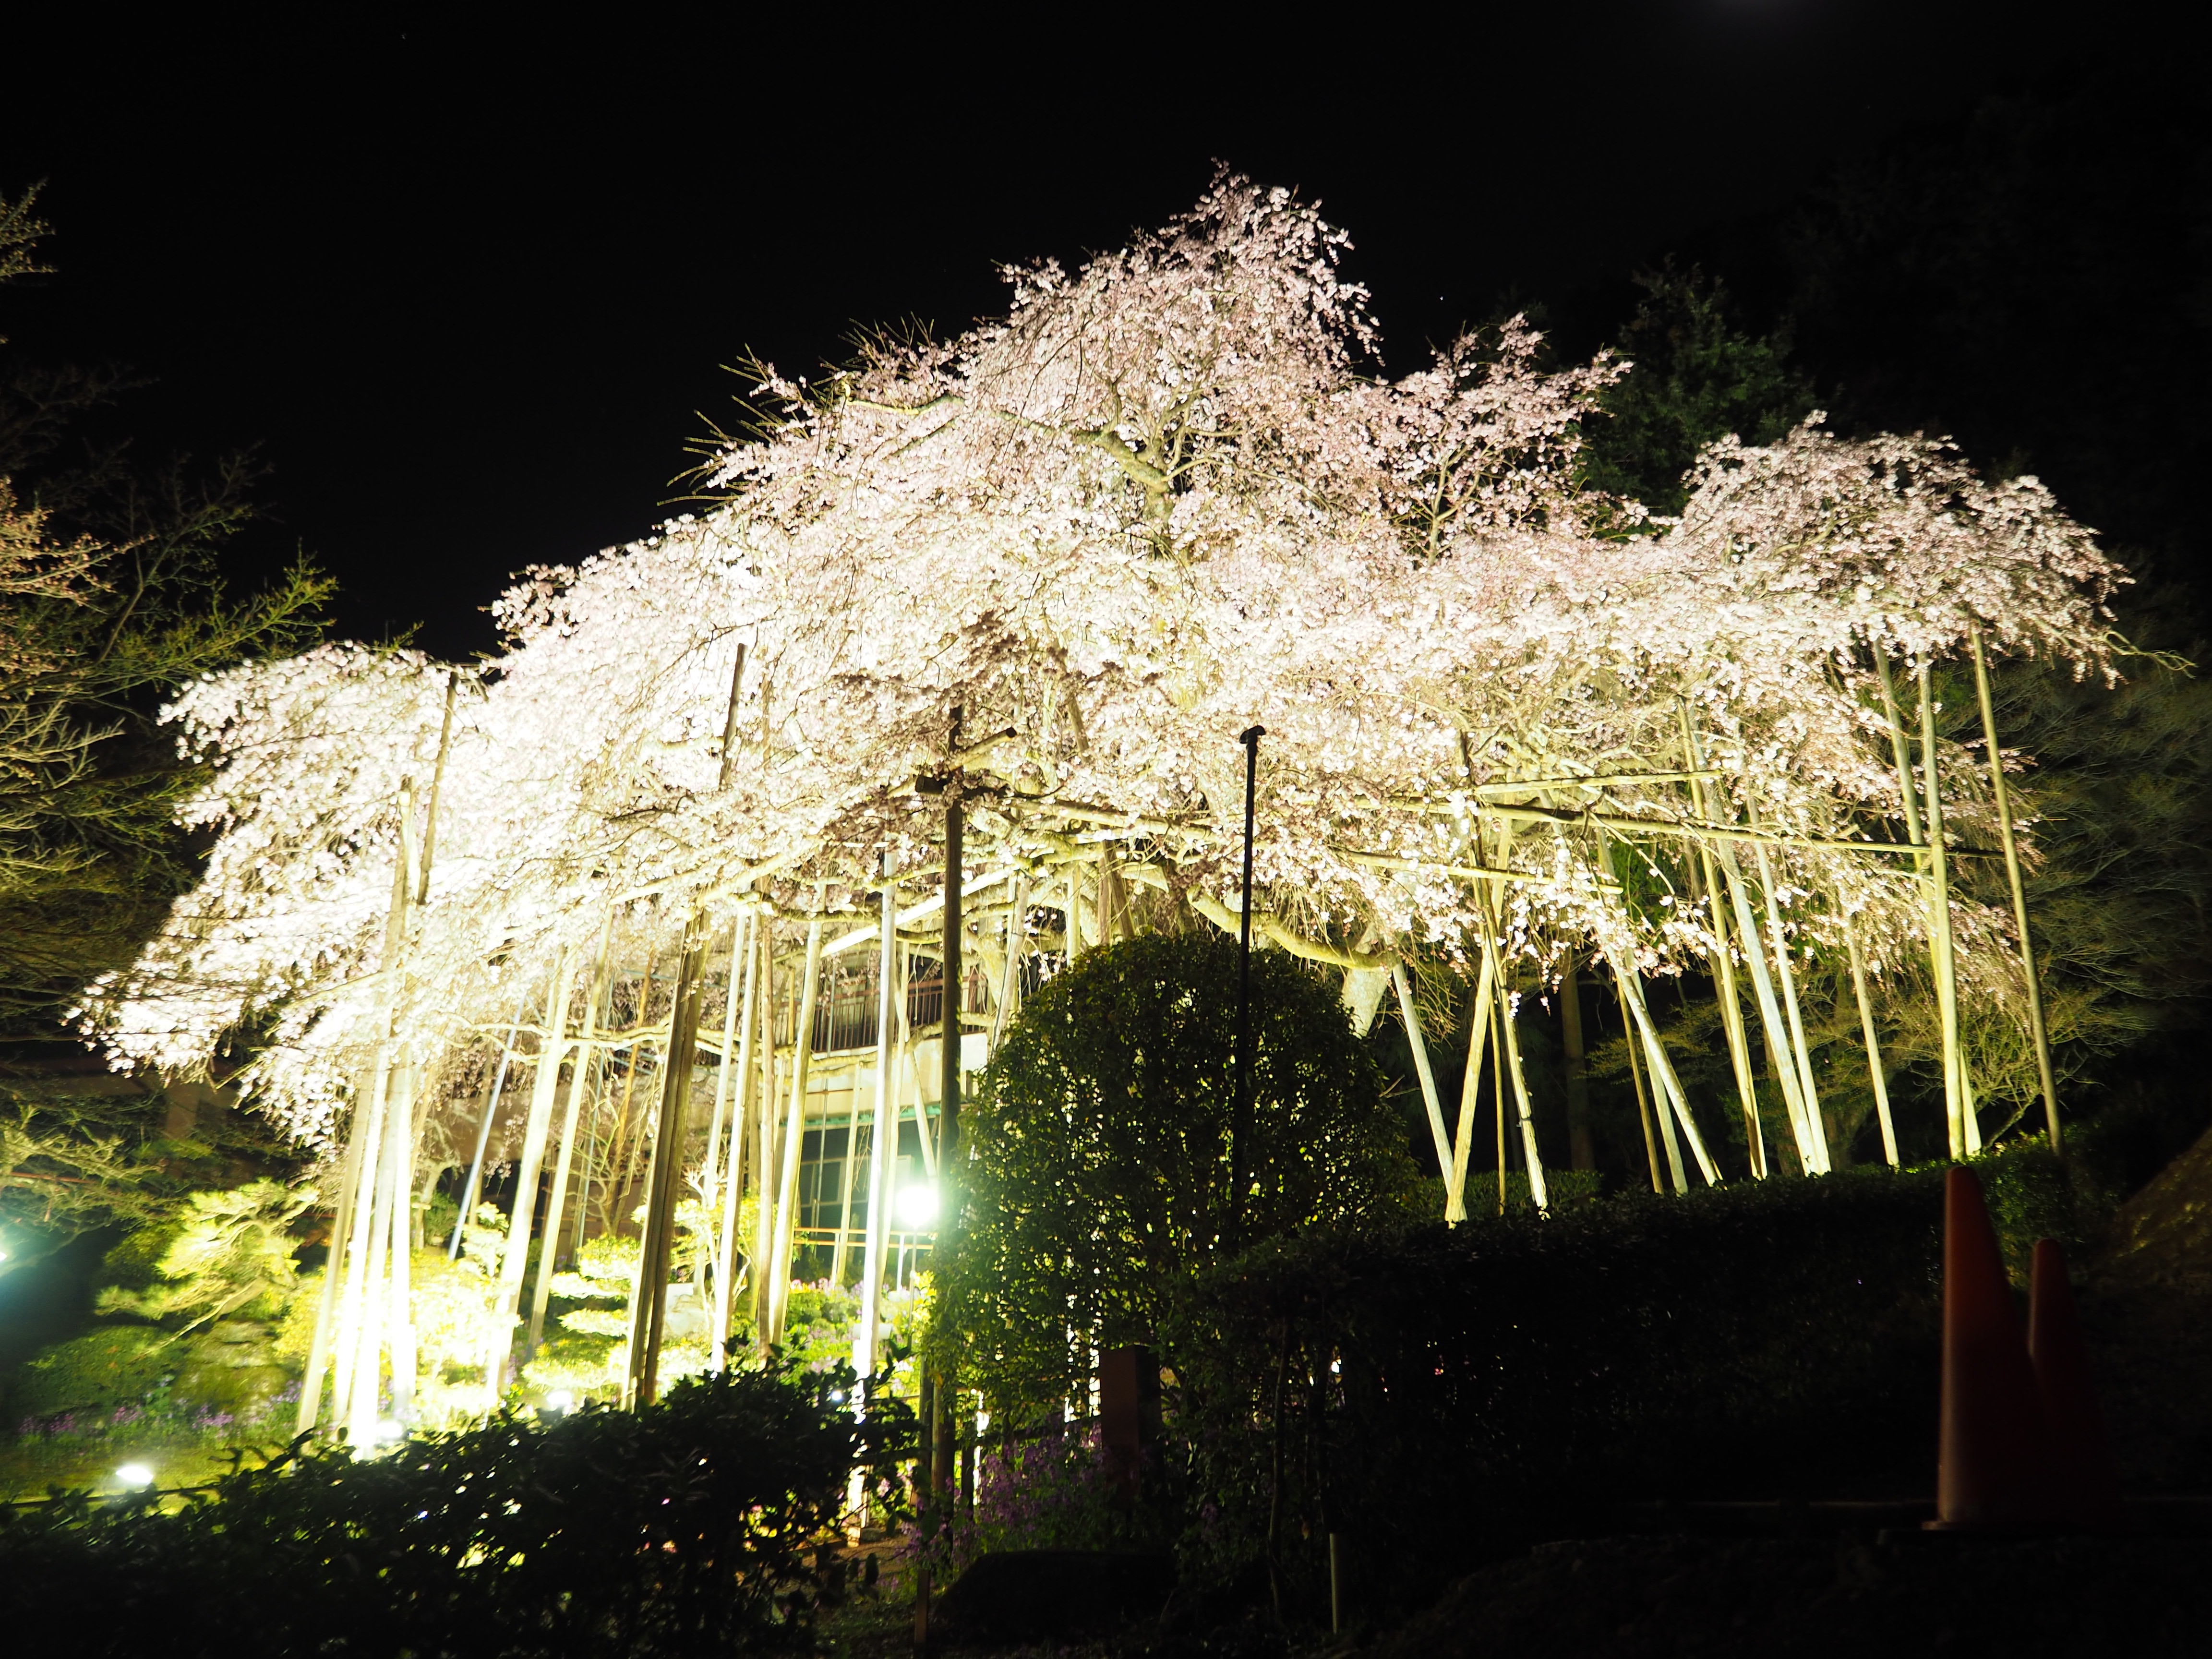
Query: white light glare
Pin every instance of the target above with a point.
(389, 1430)
(560, 1400)
(917, 1205)
(137, 1476)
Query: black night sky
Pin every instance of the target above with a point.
(470, 289)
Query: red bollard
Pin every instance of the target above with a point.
(2089, 1489)
(1994, 1471)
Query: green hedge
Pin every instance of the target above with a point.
(687, 1528)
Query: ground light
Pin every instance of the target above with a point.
(560, 1400)
(917, 1205)
(137, 1476)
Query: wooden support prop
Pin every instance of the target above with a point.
(1399, 978)
(664, 1183)
(2003, 792)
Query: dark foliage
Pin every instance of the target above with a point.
(1098, 1185)
(1438, 1395)
(687, 1528)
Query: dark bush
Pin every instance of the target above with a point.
(1435, 1395)
(687, 1528)
(1097, 1183)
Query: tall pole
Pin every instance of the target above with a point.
(741, 1117)
(664, 1172)
(1957, 1094)
(580, 1079)
(882, 1150)
(2003, 794)
(552, 1044)
(1240, 1132)
(793, 1141)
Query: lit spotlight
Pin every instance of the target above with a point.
(137, 1476)
(389, 1430)
(560, 1400)
(917, 1205)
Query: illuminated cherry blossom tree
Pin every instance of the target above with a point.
(1055, 566)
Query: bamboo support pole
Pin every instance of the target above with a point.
(544, 1087)
(357, 1321)
(712, 1177)
(1662, 1073)
(741, 1116)
(363, 1389)
(845, 1185)
(474, 1184)
(437, 786)
(1639, 1064)
(951, 970)
(1772, 1028)
(1497, 1086)
(1643, 1101)
(580, 1073)
(334, 1261)
(1010, 985)
(909, 1071)
(1873, 1042)
(400, 1316)
(1538, 1194)
(1816, 1129)
(2001, 791)
(795, 1142)
(1731, 1005)
(882, 1150)
(1469, 1087)
(1581, 1154)
(1403, 982)
(1957, 1094)
(768, 1164)
(1486, 912)
(1938, 914)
